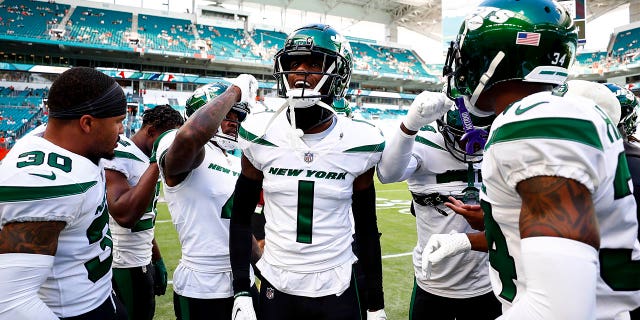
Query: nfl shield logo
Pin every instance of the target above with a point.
(308, 157)
(269, 293)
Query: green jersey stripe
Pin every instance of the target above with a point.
(126, 155)
(253, 138)
(16, 194)
(426, 142)
(157, 142)
(577, 130)
(367, 148)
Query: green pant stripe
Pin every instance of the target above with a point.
(413, 298)
(184, 308)
(124, 282)
(355, 281)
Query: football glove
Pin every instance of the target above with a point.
(426, 108)
(441, 246)
(248, 86)
(376, 315)
(243, 307)
(159, 277)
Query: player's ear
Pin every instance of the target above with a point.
(86, 123)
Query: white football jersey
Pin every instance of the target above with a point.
(43, 182)
(307, 193)
(200, 208)
(461, 276)
(548, 135)
(132, 247)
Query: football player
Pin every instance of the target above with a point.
(132, 192)
(627, 126)
(437, 165)
(55, 246)
(556, 191)
(313, 167)
(198, 175)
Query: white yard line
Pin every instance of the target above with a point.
(397, 255)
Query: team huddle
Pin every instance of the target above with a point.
(524, 187)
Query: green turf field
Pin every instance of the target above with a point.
(398, 238)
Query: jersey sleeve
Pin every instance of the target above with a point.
(550, 146)
(162, 144)
(31, 201)
(116, 164)
(249, 141)
(370, 140)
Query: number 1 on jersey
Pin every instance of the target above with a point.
(305, 211)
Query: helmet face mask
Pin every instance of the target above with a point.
(452, 130)
(629, 106)
(320, 44)
(506, 40)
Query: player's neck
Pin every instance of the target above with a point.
(322, 127)
(139, 139)
(503, 94)
(58, 133)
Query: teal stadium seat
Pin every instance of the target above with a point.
(625, 42)
(30, 19)
(99, 27)
(168, 34)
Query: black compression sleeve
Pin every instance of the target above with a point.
(368, 241)
(246, 197)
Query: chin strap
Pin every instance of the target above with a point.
(486, 77)
(475, 138)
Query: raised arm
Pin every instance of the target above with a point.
(186, 152)
(127, 204)
(397, 163)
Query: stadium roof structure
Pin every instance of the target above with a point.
(421, 16)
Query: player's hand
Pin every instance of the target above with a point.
(471, 212)
(248, 86)
(243, 307)
(376, 315)
(159, 277)
(441, 246)
(426, 108)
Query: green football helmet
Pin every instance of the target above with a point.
(208, 92)
(325, 44)
(628, 107)
(529, 40)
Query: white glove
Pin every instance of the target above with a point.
(442, 246)
(243, 309)
(248, 86)
(376, 315)
(426, 108)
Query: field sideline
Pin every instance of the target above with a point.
(398, 239)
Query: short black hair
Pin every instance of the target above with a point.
(75, 86)
(162, 117)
